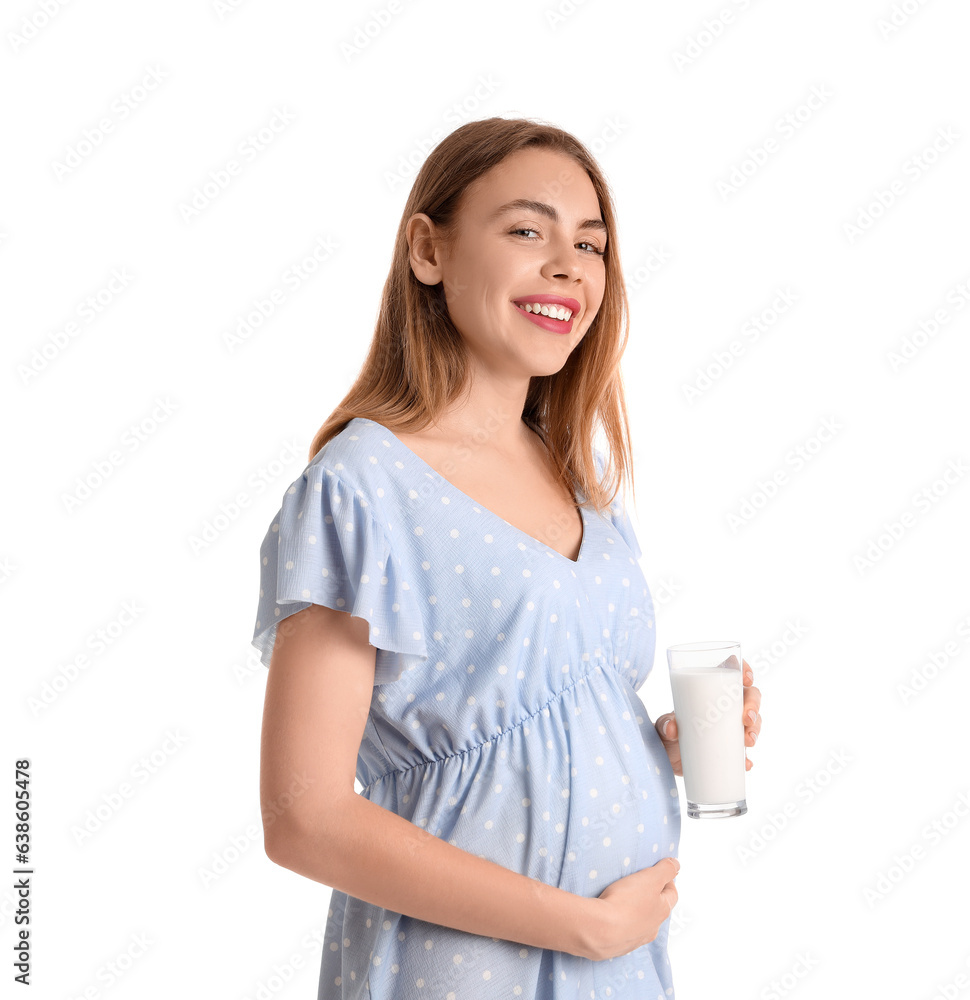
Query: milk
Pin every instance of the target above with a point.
(707, 704)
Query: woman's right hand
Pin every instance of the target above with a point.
(628, 913)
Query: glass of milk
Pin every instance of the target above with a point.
(705, 680)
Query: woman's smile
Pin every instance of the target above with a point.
(547, 322)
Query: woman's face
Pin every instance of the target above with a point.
(508, 256)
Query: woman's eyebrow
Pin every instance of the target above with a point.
(541, 208)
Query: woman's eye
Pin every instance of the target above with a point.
(592, 247)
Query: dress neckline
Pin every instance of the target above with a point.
(524, 534)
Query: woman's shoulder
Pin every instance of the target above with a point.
(359, 456)
(618, 512)
(350, 453)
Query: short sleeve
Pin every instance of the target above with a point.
(618, 514)
(326, 546)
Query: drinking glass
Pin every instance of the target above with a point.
(705, 680)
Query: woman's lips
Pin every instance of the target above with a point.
(559, 326)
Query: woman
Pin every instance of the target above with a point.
(452, 611)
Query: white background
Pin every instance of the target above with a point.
(864, 744)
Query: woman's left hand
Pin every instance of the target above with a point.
(750, 715)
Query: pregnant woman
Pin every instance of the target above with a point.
(453, 612)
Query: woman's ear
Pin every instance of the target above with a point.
(423, 246)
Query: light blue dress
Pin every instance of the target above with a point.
(504, 717)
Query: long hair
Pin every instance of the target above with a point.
(416, 365)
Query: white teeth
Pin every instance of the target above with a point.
(556, 312)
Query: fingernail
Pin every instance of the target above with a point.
(754, 738)
(663, 728)
(752, 715)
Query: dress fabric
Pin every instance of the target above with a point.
(504, 716)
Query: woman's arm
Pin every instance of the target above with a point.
(317, 698)
(375, 855)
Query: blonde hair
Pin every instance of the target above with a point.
(416, 364)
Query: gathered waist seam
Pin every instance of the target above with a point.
(478, 746)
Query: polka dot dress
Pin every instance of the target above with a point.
(504, 716)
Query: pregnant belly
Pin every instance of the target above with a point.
(624, 813)
(576, 796)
